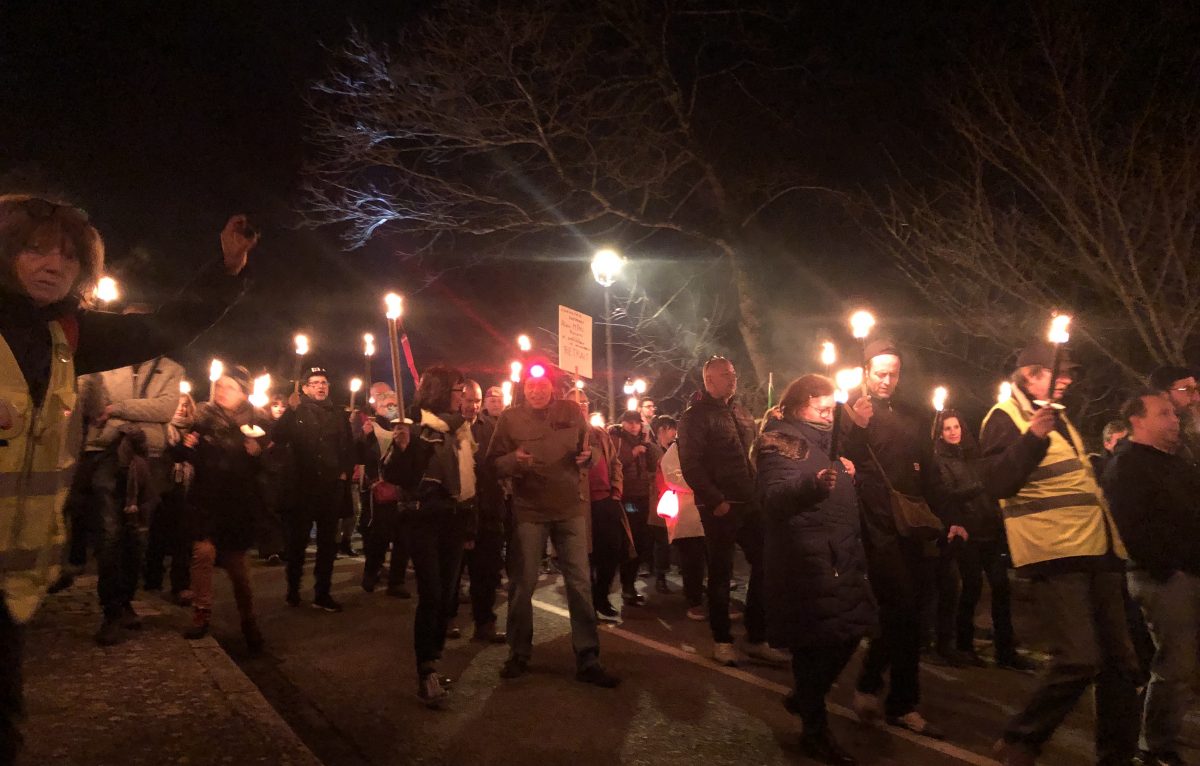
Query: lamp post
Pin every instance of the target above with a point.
(606, 266)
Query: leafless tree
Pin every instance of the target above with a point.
(492, 123)
(1078, 189)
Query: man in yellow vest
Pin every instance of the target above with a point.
(50, 260)
(1062, 536)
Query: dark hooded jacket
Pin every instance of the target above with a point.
(714, 450)
(959, 495)
(816, 569)
(225, 494)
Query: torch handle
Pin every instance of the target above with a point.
(835, 437)
(296, 376)
(1054, 372)
(394, 342)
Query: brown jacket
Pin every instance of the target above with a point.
(553, 488)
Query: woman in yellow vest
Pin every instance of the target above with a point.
(50, 260)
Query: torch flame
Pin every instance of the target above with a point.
(849, 378)
(514, 372)
(639, 386)
(185, 387)
(1058, 329)
(301, 344)
(368, 344)
(216, 370)
(597, 420)
(1005, 392)
(394, 306)
(107, 290)
(355, 385)
(262, 385)
(861, 323)
(506, 390)
(828, 353)
(631, 404)
(524, 343)
(939, 398)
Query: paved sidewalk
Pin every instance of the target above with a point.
(155, 698)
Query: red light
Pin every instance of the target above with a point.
(537, 371)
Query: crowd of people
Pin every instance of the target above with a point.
(860, 524)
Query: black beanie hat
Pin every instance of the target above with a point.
(241, 376)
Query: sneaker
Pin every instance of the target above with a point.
(398, 591)
(821, 747)
(1013, 753)
(453, 631)
(293, 597)
(661, 586)
(130, 619)
(725, 654)
(345, 549)
(633, 599)
(514, 667)
(326, 602)
(430, 691)
(596, 675)
(274, 560)
(697, 613)
(867, 707)
(767, 653)
(605, 610)
(916, 723)
(109, 633)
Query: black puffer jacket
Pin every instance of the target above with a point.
(959, 496)
(817, 589)
(714, 450)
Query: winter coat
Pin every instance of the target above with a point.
(687, 522)
(898, 435)
(816, 570)
(637, 472)
(1155, 500)
(321, 443)
(554, 487)
(225, 497)
(145, 395)
(959, 496)
(438, 467)
(714, 450)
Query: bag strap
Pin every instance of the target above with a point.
(882, 472)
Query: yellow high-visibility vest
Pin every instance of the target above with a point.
(36, 464)
(1060, 512)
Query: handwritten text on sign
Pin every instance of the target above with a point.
(574, 342)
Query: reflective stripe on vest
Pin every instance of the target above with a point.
(36, 466)
(1060, 511)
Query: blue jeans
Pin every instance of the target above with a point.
(1172, 609)
(570, 538)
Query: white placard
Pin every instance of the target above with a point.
(574, 342)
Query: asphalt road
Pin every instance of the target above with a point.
(346, 683)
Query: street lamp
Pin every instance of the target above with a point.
(606, 267)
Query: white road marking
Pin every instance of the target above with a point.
(945, 748)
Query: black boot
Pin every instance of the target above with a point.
(818, 744)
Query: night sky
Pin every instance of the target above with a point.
(162, 118)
